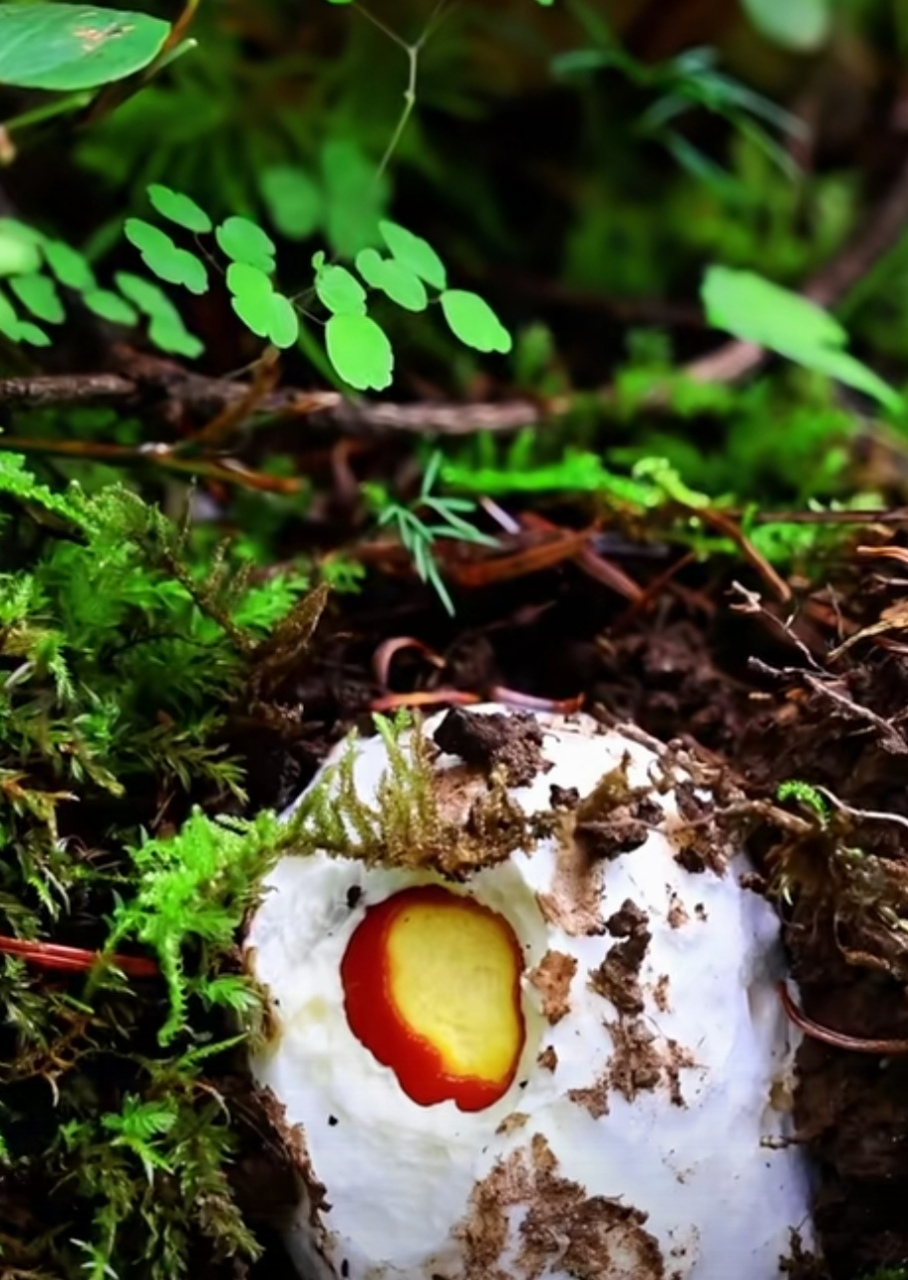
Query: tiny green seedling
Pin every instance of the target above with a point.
(418, 536)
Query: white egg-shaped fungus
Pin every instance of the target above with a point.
(525, 1017)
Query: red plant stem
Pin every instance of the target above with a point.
(51, 955)
(838, 1039)
(423, 698)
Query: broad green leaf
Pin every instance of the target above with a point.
(179, 208)
(169, 334)
(18, 253)
(403, 286)
(360, 352)
(395, 280)
(294, 202)
(803, 25)
(110, 306)
(166, 329)
(67, 47)
(22, 229)
(164, 258)
(245, 241)
(9, 321)
(848, 369)
(39, 295)
(369, 263)
(414, 253)
(31, 334)
(252, 303)
(71, 268)
(148, 297)
(151, 241)
(340, 291)
(284, 328)
(248, 281)
(756, 310)
(473, 321)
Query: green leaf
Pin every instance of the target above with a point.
(31, 334)
(67, 47)
(295, 204)
(148, 297)
(9, 321)
(360, 352)
(151, 241)
(284, 326)
(245, 241)
(179, 209)
(403, 286)
(756, 310)
(248, 281)
(71, 268)
(414, 253)
(110, 306)
(169, 334)
(252, 297)
(39, 295)
(395, 280)
(18, 252)
(164, 258)
(259, 307)
(473, 321)
(340, 291)
(166, 329)
(803, 25)
(369, 264)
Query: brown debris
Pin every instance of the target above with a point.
(615, 817)
(547, 1059)
(661, 993)
(552, 978)
(677, 912)
(699, 842)
(593, 1098)
(564, 1229)
(618, 977)
(511, 742)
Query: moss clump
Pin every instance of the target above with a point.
(121, 665)
(415, 822)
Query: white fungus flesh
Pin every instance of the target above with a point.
(569, 1065)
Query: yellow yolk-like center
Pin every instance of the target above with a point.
(432, 988)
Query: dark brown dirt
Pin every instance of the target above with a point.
(512, 743)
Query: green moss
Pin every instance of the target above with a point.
(415, 822)
(121, 665)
